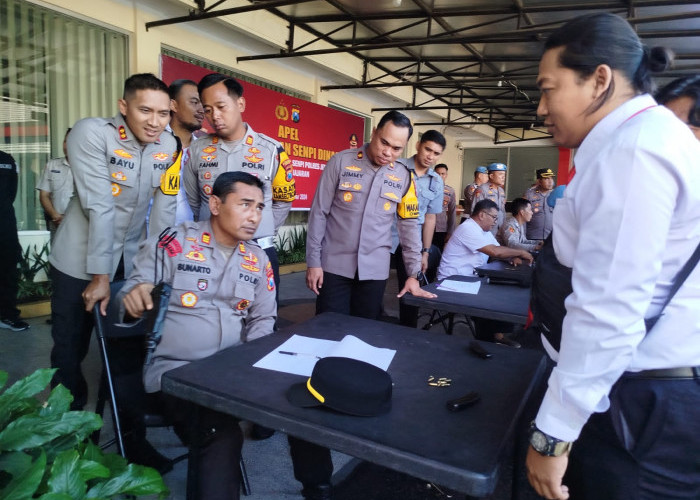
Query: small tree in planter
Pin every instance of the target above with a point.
(45, 453)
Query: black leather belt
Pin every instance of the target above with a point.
(685, 372)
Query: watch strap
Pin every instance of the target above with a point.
(552, 448)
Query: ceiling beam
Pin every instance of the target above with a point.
(455, 106)
(194, 16)
(483, 11)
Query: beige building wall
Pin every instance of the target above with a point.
(223, 40)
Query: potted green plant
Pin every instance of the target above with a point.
(32, 262)
(291, 246)
(45, 452)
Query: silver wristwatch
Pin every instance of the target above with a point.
(546, 445)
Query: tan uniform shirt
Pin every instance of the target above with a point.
(468, 198)
(445, 221)
(512, 235)
(217, 301)
(490, 191)
(541, 224)
(115, 179)
(57, 180)
(350, 220)
(257, 154)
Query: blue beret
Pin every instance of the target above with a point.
(481, 170)
(497, 167)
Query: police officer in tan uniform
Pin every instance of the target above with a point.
(445, 221)
(512, 234)
(348, 246)
(481, 175)
(349, 236)
(223, 294)
(56, 189)
(493, 190)
(237, 147)
(541, 224)
(119, 165)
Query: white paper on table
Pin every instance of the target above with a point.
(309, 350)
(460, 286)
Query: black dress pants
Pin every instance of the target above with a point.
(71, 328)
(10, 253)
(354, 297)
(408, 315)
(645, 447)
(487, 328)
(351, 296)
(215, 444)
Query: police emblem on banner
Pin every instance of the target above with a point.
(281, 112)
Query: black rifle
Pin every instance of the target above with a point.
(160, 294)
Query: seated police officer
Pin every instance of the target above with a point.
(223, 294)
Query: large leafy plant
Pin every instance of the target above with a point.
(45, 453)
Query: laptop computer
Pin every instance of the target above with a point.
(503, 273)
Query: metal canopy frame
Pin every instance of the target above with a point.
(469, 61)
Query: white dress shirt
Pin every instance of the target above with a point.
(462, 253)
(183, 212)
(627, 223)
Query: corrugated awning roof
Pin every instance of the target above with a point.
(470, 61)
